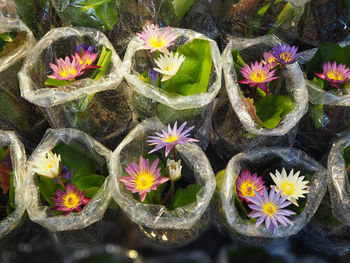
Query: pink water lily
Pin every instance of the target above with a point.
(66, 70)
(85, 56)
(247, 183)
(334, 74)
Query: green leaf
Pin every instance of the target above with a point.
(185, 196)
(13, 45)
(100, 14)
(103, 62)
(11, 205)
(238, 62)
(318, 116)
(193, 76)
(287, 14)
(56, 82)
(86, 182)
(182, 6)
(3, 153)
(328, 51)
(272, 109)
(47, 188)
(90, 192)
(72, 157)
(347, 155)
(219, 177)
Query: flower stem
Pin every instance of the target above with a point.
(174, 151)
(61, 182)
(169, 193)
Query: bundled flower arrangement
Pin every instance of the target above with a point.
(10, 41)
(265, 97)
(7, 191)
(273, 204)
(68, 70)
(68, 178)
(185, 71)
(157, 181)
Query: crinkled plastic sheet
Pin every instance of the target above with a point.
(32, 84)
(94, 210)
(295, 85)
(157, 216)
(8, 25)
(177, 102)
(291, 158)
(338, 182)
(19, 160)
(8, 9)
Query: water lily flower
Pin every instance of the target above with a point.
(269, 208)
(69, 201)
(169, 64)
(174, 169)
(155, 40)
(171, 138)
(85, 56)
(143, 177)
(65, 174)
(66, 70)
(48, 165)
(153, 75)
(247, 183)
(334, 74)
(285, 54)
(258, 75)
(270, 60)
(292, 185)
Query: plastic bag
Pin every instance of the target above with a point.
(290, 158)
(18, 160)
(150, 101)
(295, 85)
(158, 224)
(98, 107)
(94, 210)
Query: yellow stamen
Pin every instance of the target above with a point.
(65, 72)
(269, 209)
(171, 138)
(71, 200)
(247, 189)
(157, 42)
(286, 56)
(144, 180)
(258, 76)
(287, 188)
(335, 75)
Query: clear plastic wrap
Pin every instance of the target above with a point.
(150, 101)
(8, 9)
(158, 224)
(18, 159)
(290, 158)
(94, 210)
(295, 85)
(106, 113)
(338, 181)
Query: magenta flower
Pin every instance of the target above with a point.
(269, 208)
(171, 138)
(258, 75)
(65, 69)
(285, 54)
(69, 201)
(85, 56)
(247, 183)
(270, 60)
(143, 178)
(155, 40)
(334, 74)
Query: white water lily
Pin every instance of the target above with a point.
(291, 185)
(169, 64)
(174, 169)
(48, 165)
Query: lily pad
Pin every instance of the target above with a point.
(185, 196)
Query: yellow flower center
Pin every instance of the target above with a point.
(157, 42)
(247, 189)
(258, 76)
(169, 67)
(144, 180)
(286, 56)
(65, 72)
(272, 59)
(287, 188)
(335, 75)
(269, 209)
(71, 200)
(171, 138)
